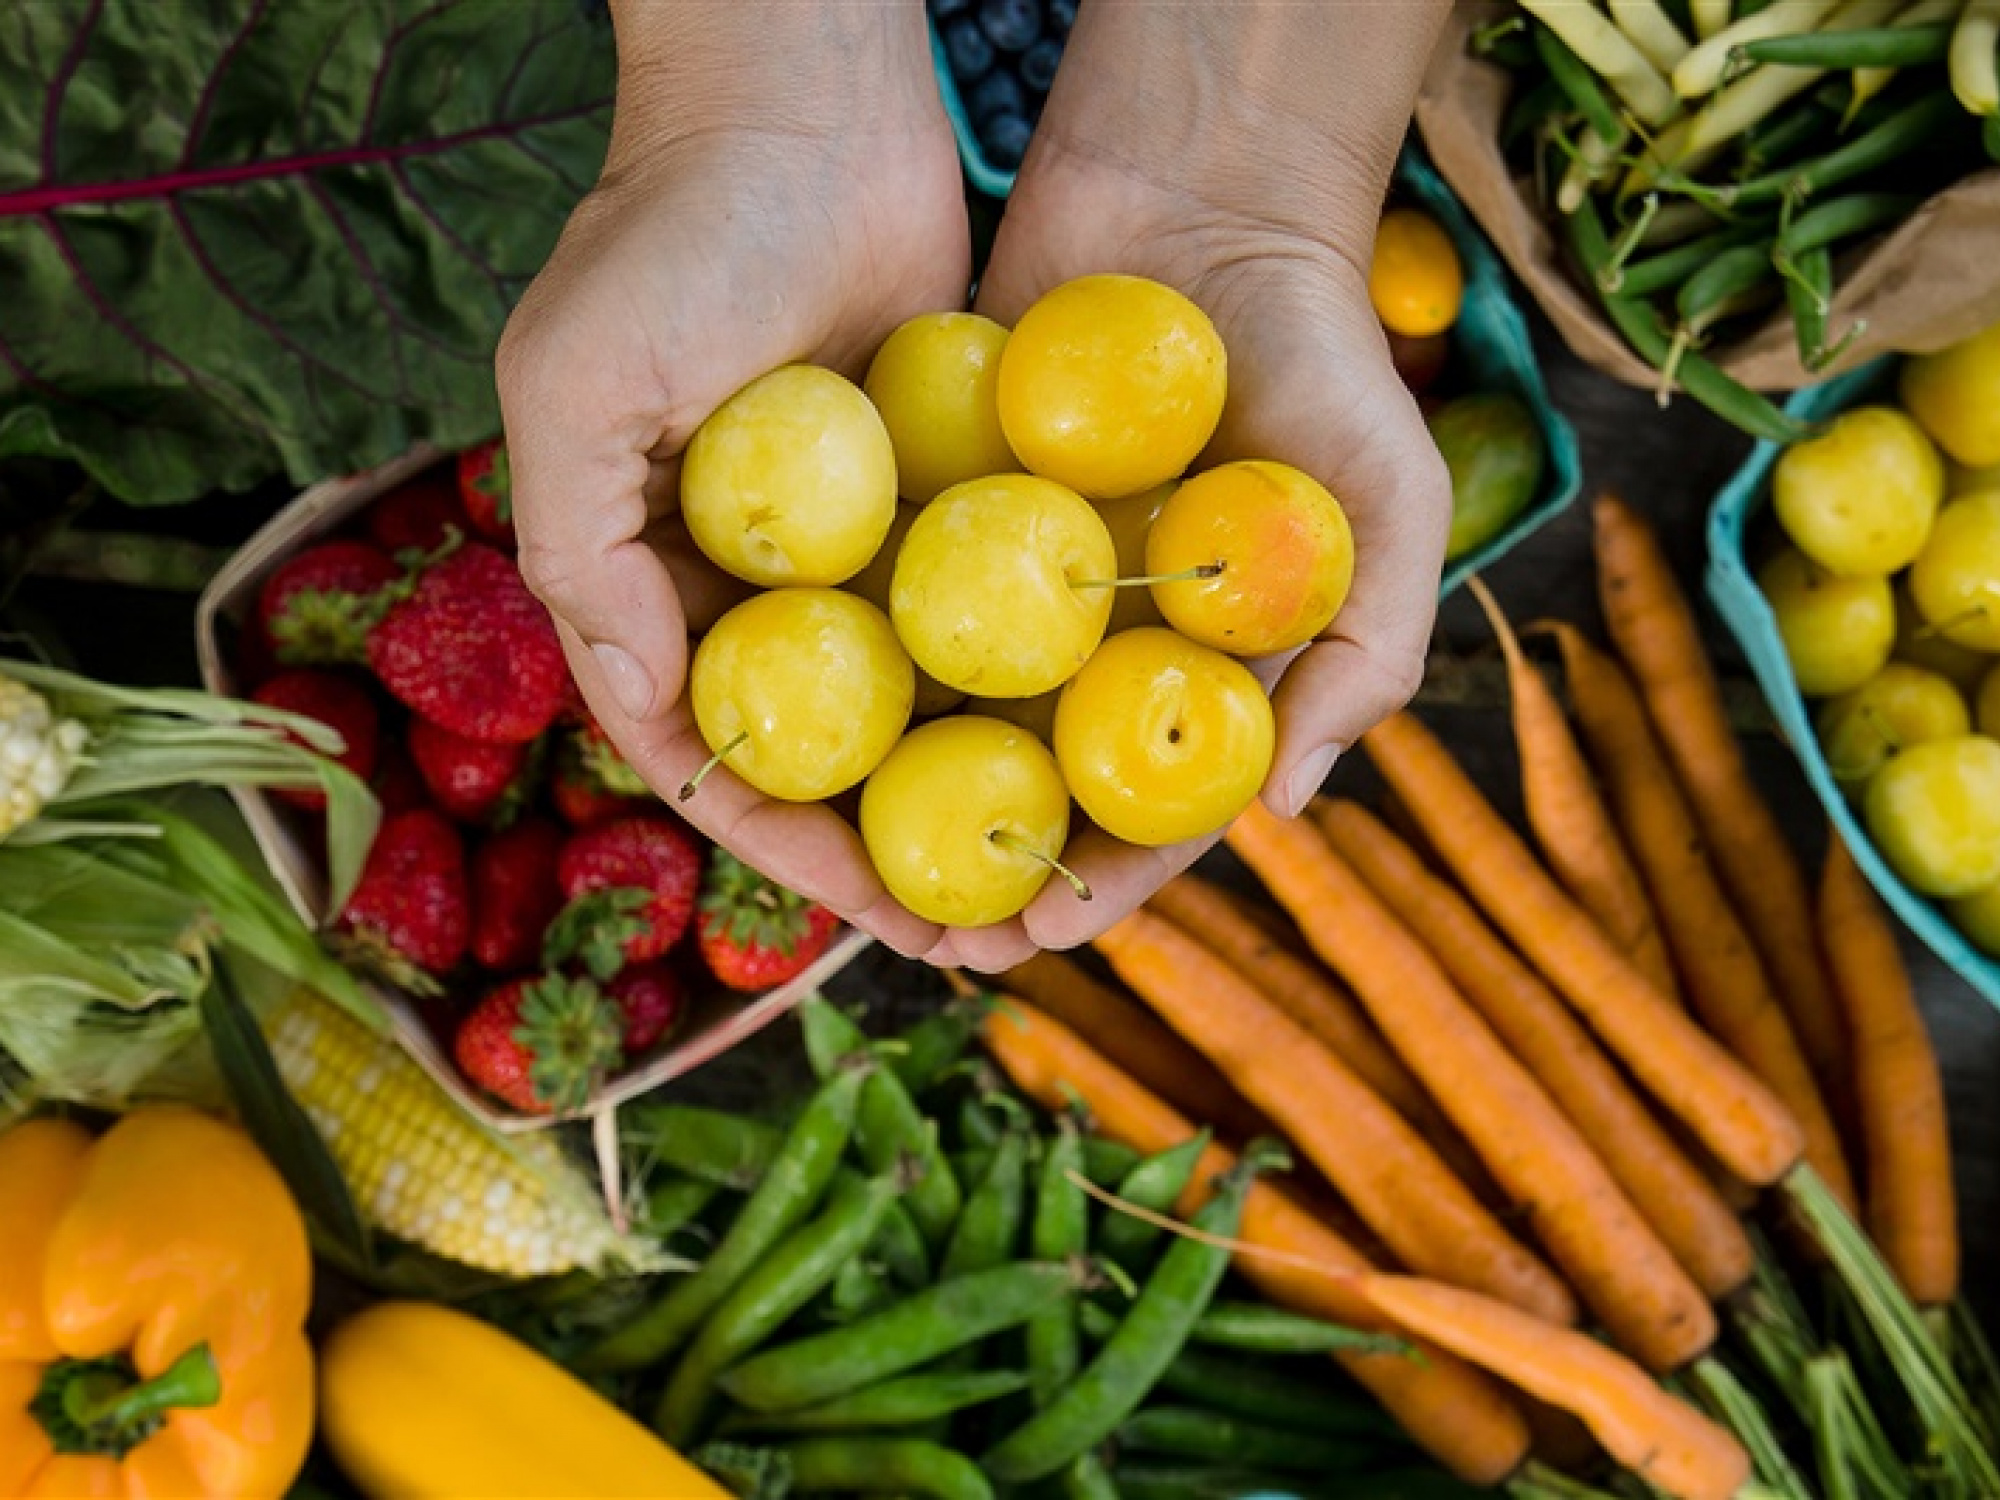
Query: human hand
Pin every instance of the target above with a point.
(1167, 150)
(781, 186)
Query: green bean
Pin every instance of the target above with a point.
(935, 1044)
(731, 1151)
(674, 1202)
(798, 1177)
(1529, 108)
(794, 1272)
(1807, 296)
(903, 1466)
(1780, 137)
(1658, 273)
(1088, 1479)
(1171, 1481)
(1826, 223)
(888, 1127)
(1902, 132)
(1989, 137)
(1155, 1184)
(1705, 382)
(1130, 1362)
(939, 1319)
(1706, 297)
(1870, 47)
(1257, 1390)
(1261, 1329)
(1061, 1229)
(1105, 1162)
(893, 1403)
(1578, 84)
(1190, 1432)
(988, 1232)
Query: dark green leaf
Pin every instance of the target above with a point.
(258, 238)
(277, 1123)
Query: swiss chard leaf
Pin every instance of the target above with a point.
(241, 237)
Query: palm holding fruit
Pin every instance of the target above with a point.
(1002, 585)
(1889, 606)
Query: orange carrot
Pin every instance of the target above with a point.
(1568, 815)
(1298, 987)
(1611, 1255)
(1386, 1171)
(1911, 1210)
(1661, 1439)
(1726, 981)
(1727, 1107)
(1460, 1416)
(1132, 1037)
(1656, 633)
(1669, 1189)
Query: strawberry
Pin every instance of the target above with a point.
(396, 784)
(541, 1044)
(467, 778)
(418, 515)
(319, 605)
(337, 702)
(650, 998)
(472, 650)
(592, 782)
(486, 489)
(514, 893)
(753, 933)
(410, 915)
(629, 882)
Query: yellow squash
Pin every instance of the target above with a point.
(422, 1403)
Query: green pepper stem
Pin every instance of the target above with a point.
(693, 783)
(102, 1400)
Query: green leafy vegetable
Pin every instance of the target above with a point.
(242, 238)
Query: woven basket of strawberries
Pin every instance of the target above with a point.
(548, 936)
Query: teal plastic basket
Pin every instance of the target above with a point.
(1750, 620)
(1491, 349)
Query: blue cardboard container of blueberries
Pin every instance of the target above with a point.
(995, 62)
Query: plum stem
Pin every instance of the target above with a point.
(1187, 575)
(1014, 843)
(1931, 630)
(693, 783)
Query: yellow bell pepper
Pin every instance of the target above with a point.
(423, 1403)
(154, 1284)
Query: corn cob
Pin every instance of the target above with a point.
(38, 753)
(424, 1171)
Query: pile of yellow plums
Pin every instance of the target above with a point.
(996, 540)
(1888, 599)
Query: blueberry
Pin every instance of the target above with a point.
(998, 93)
(1011, 25)
(944, 10)
(1038, 64)
(1060, 15)
(967, 50)
(1005, 138)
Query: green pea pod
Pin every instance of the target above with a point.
(728, 1150)
(1131, 1361)
(674, 1202)
(988, 1232)
(1156, 1184)
(1061, 1229)
(893, 1403)
(1492, 446)
(935, 1321)
(860, 1287)
(935, 1044)
(1105, 1161)
(900, 1246)
(976, 1126)
(1256, 1390)
(1191, 1432)
(888, 1127)
(898, 1466)
(1088, 1479)
(1156, 1480)
(1260, 1329)
(797, 1179)
(797, 1269)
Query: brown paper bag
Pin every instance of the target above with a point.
(1932, 281)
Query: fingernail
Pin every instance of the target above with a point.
(629, 682)
(1306, 780)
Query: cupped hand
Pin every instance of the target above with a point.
(788, 194)
(1279, 260)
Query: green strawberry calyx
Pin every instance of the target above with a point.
(573, 1037)
(747, 910)
(602, 762)
(596, 928)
